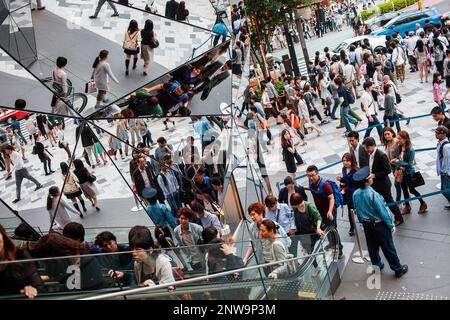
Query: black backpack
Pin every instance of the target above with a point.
(441, 149)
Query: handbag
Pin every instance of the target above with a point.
(90, 87)
(92, 178)
(398, 98)
(415, 179)
(154, 43)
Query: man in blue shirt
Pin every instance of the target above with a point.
(281, 214)
(15, 125)
(443, 160)
(378, 225)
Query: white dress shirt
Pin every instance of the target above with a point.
(145, 177)
(349, 72)
(17, 160)
(368, 104)
(371, 158)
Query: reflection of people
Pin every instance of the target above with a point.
(171, 9)
(214, 79)
(147, 35)
(221, 31)
(100, 5)
(171, 94)
(101, 74)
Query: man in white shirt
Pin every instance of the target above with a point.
(350, 76)
(410, 46)
(368, 107)
(20, 171)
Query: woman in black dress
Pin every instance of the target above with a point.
(288, 152)
(43, 154)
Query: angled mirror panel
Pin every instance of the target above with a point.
(197, 12)
(201, 87)
(34, 163)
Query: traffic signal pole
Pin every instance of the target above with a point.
(292, 53)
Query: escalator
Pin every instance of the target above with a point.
(312, 279)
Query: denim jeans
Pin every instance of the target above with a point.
(378, 128)
(347, 119)
(335, 106)
(445, 184)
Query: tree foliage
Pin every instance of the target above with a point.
(266, 15)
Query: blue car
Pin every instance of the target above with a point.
(407, 22)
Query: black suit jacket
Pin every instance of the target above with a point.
(171, 9)
(381, 168)
(283, 195)
(140, 185)
(362, 155)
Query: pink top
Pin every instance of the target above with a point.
(437, 94)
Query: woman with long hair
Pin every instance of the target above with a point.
(43, 154)
(131, 42)
(404, 162)
(421, 54)
(288, 152)
(17, 277)
(348, 185)
(437, 91)
(101, 74)
(148, 36)
(71, 189)
(59, 211)
(438, 55)
(325, 96)
(86, 181)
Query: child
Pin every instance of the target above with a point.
(437, 92)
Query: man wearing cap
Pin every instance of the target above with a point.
(443, 160)
(158, 213)
(377, 223)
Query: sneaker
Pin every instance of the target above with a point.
(41, 8)
(115, 14)
(401, 273)
(92, 17)
(38, 187)
(16, 200)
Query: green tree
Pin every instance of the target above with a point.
(265, 16)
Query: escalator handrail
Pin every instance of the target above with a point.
(311, 257)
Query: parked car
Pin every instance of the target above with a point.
(376, 42)
(406, 22)
(379, 21)
(19, 114)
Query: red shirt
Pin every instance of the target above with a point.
(321, 201)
